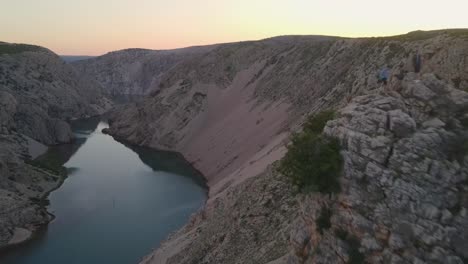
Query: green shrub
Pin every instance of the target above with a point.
(316, 123)
(323, 221)
(50, 163)
(313, 161)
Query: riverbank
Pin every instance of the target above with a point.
(44, 163)
(39, 199)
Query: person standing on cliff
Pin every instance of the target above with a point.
(417, 62)
(383, 75)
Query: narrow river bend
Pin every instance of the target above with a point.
(117, 204)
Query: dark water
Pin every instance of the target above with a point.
(116, 205)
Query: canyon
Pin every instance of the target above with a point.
(229, 109)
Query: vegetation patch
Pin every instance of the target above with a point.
(313, 161)
(6, 48)
(50, 163)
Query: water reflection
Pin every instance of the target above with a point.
(167, 161)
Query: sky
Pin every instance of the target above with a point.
(94, 27)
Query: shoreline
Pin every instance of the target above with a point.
(129, 145)
(38, 229)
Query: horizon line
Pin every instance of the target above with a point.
(241, 41)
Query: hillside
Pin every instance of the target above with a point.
(39, 93)
(238, 100)
(230, 109)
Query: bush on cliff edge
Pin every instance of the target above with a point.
(313, 161)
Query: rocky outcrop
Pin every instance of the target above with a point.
(39, 93)
(404, 185)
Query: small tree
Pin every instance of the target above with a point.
(317, 122)
(313, 161)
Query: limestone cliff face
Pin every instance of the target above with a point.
(38, 93)
(230, 110)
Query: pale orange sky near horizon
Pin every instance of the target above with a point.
(94, 27)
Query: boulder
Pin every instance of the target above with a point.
(418, 90)
(434, 122)
(401, 124)
(62, 132)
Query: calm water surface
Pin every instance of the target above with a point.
(117, 204)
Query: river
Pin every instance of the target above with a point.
(117, 203)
